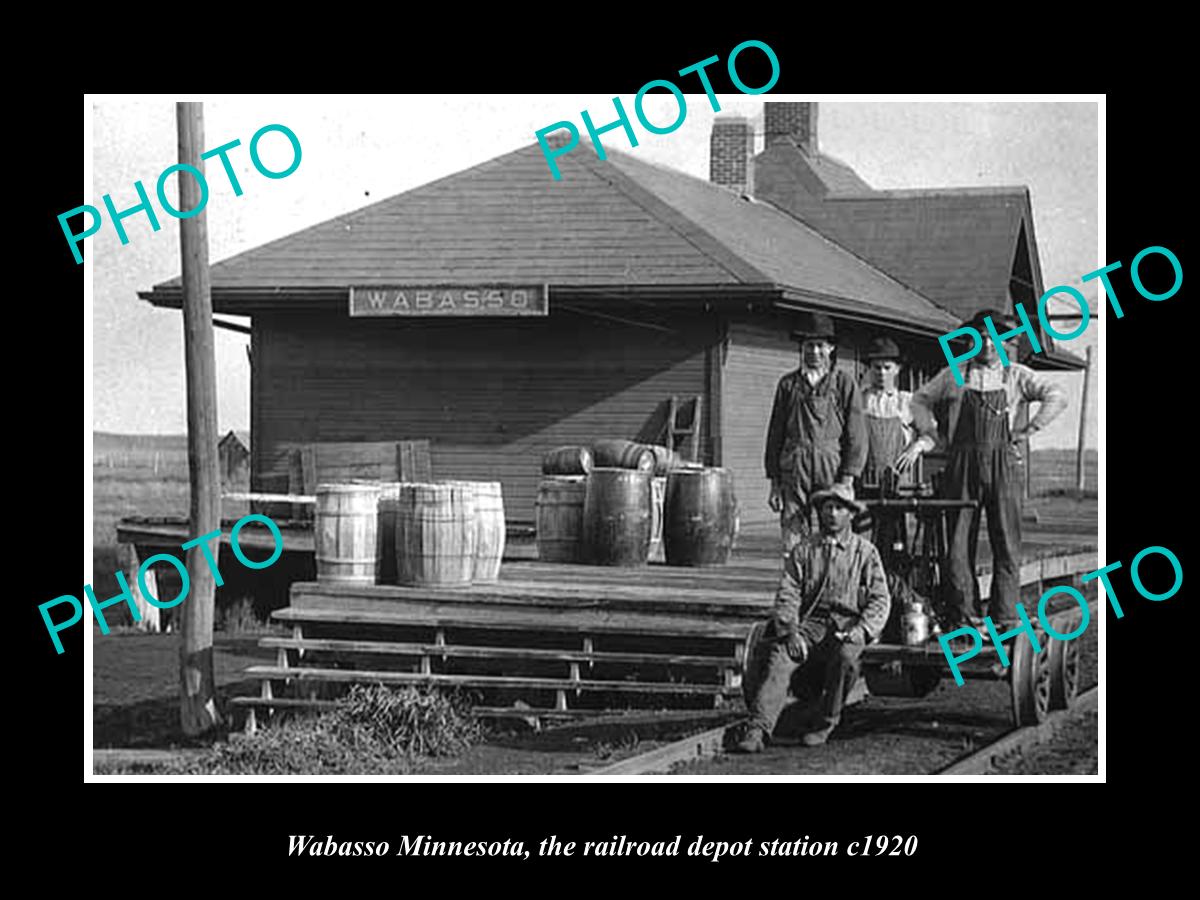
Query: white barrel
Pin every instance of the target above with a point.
(345, 531)
(435, 534)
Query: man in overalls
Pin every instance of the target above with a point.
(816, 436)
(888, 412)
(974, 421)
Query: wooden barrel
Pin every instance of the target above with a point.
(623, 455)
(560, 519)
(665, 459)
(385, 530)
(344, 532)
(567, 461)
(435, 534)
(616, 517)
(699, 517)
(489, 530)
(658, 490)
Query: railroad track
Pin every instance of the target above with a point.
(709, 744)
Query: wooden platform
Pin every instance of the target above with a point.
(554, 640)
(563, 641)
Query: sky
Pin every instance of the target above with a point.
(360, 149)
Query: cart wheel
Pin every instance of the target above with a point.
(1064, 669)
(1029, 677)
(752, 664)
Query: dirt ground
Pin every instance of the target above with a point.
(136, 706)
(135, 685)
(894, 736)
(1073, 751)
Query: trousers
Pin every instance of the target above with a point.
(838, 661)
(795, 519)
(982, 466)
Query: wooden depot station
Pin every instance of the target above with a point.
(464, 328)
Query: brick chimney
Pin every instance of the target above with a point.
(731, 149)
(797, 121)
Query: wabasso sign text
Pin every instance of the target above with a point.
(486, 300)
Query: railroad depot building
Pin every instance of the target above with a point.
(498, 312)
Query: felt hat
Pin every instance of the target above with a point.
(843, 493)
(883, 348)
(815, 325)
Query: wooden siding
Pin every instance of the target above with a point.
(492, 397)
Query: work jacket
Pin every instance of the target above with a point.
(834, 577)
(817, 434)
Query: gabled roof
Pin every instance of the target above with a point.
(957, 246)
(954, 246)
(619, 223)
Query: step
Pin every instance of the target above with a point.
(581, 622)
(471, 652)
(483, 712)
(483, 681)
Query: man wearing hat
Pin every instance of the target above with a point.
(816, 436)
(887, 410)
(974, 423)
(832, 600)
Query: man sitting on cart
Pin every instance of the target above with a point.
(832, 600)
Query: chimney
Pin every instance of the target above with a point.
(731, 149)
(797, 121)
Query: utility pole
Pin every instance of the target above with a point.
(1083, 411)
(198, 707)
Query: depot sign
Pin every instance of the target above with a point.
(485, 300)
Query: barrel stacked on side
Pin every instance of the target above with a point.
(450, 533)
(618, 510)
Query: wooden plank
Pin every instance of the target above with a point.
(413, 461)
(283, 702)
(472, 652)
(275, 498)
(597, 621)
(1055, 566)
(167, 533)
(497, 681)
(542, 594)
(307, 456)
(484, 712)
(496, 609)
(124, 757)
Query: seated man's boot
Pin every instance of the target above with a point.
(752, 741)
(817, 738)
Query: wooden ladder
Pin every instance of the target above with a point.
(683, 426)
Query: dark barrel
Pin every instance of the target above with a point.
(567, 461)
(560, 518)
(616, 517)
(699, 517)
(665, 459)
(623, 455)
(658, 490)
